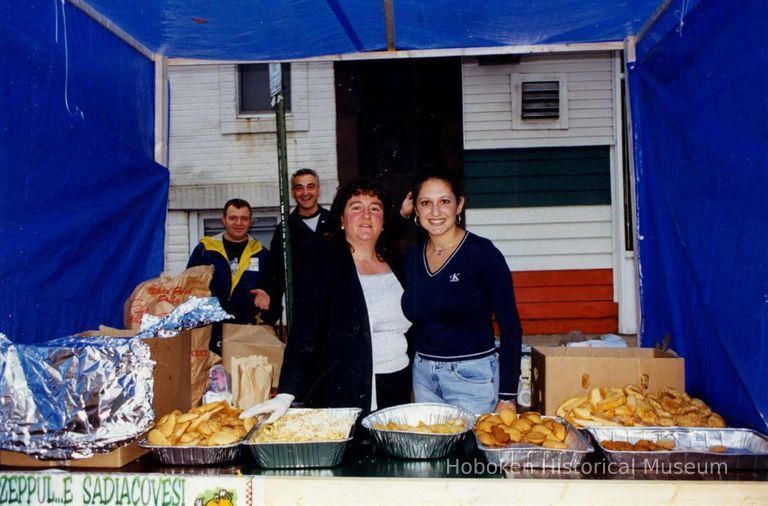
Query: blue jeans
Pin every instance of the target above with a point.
(471, 384)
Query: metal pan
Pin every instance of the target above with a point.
(285, 455)
(744, 448)
(193, 455)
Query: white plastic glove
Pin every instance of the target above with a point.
(275, 407)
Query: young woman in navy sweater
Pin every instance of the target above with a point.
(455, 283)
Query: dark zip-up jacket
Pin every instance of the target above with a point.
(331, 334)
(304, 246)
(233, 289)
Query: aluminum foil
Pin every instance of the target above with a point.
(744, 448)
(72, 397)
(194, 312)
(416, 445)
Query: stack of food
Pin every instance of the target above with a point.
(630, 406)
(506, 428)
(307, 425)
(213, 424)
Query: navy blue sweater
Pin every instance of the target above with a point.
(452, 309)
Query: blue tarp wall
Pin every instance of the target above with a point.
(699, 103)
(82, 210)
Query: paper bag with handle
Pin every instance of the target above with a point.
(248, 340)
(251, 380)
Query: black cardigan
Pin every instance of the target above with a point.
(328, 359)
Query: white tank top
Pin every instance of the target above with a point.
(388, 323)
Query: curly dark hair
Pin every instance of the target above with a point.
(362, 187)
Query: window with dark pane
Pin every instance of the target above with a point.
(262, 227)
(254, 87)
(541, 99)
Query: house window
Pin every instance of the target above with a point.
(540, 99)
(254, 88)
(208, 223)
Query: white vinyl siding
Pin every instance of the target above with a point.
(216, 154)
(176, 242)
(203, 152)
(548, 238)
(488, 95)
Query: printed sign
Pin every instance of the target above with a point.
(61, 488)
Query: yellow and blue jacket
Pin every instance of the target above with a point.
(233, 289)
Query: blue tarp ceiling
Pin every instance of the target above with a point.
(260, 30)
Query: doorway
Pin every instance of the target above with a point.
(394, 117)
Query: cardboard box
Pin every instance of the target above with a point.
(249, 340)
(560, 372)
(171, 391)
(111, 460)
(201, 361)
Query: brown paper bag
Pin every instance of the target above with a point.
(201, 361)
(159, 296)
(248, 340)
(251, 380)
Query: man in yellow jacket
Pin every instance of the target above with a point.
(238, 261)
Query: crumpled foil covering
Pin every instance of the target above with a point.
(72, 397)
(194, 312)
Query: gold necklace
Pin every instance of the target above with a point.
(439, 252)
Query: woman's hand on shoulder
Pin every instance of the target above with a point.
(406, 208)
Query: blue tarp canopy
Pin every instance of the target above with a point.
(699, 108)
(259, 30)
(83, 221)
(83, 209)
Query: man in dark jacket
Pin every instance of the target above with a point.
(309, 222)
(239, 262)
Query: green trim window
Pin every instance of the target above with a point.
(537, 177)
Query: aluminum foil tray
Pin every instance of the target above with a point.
(415, 445)
(303, 454)
(192, 455)
(745, 449)
(527, 456)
